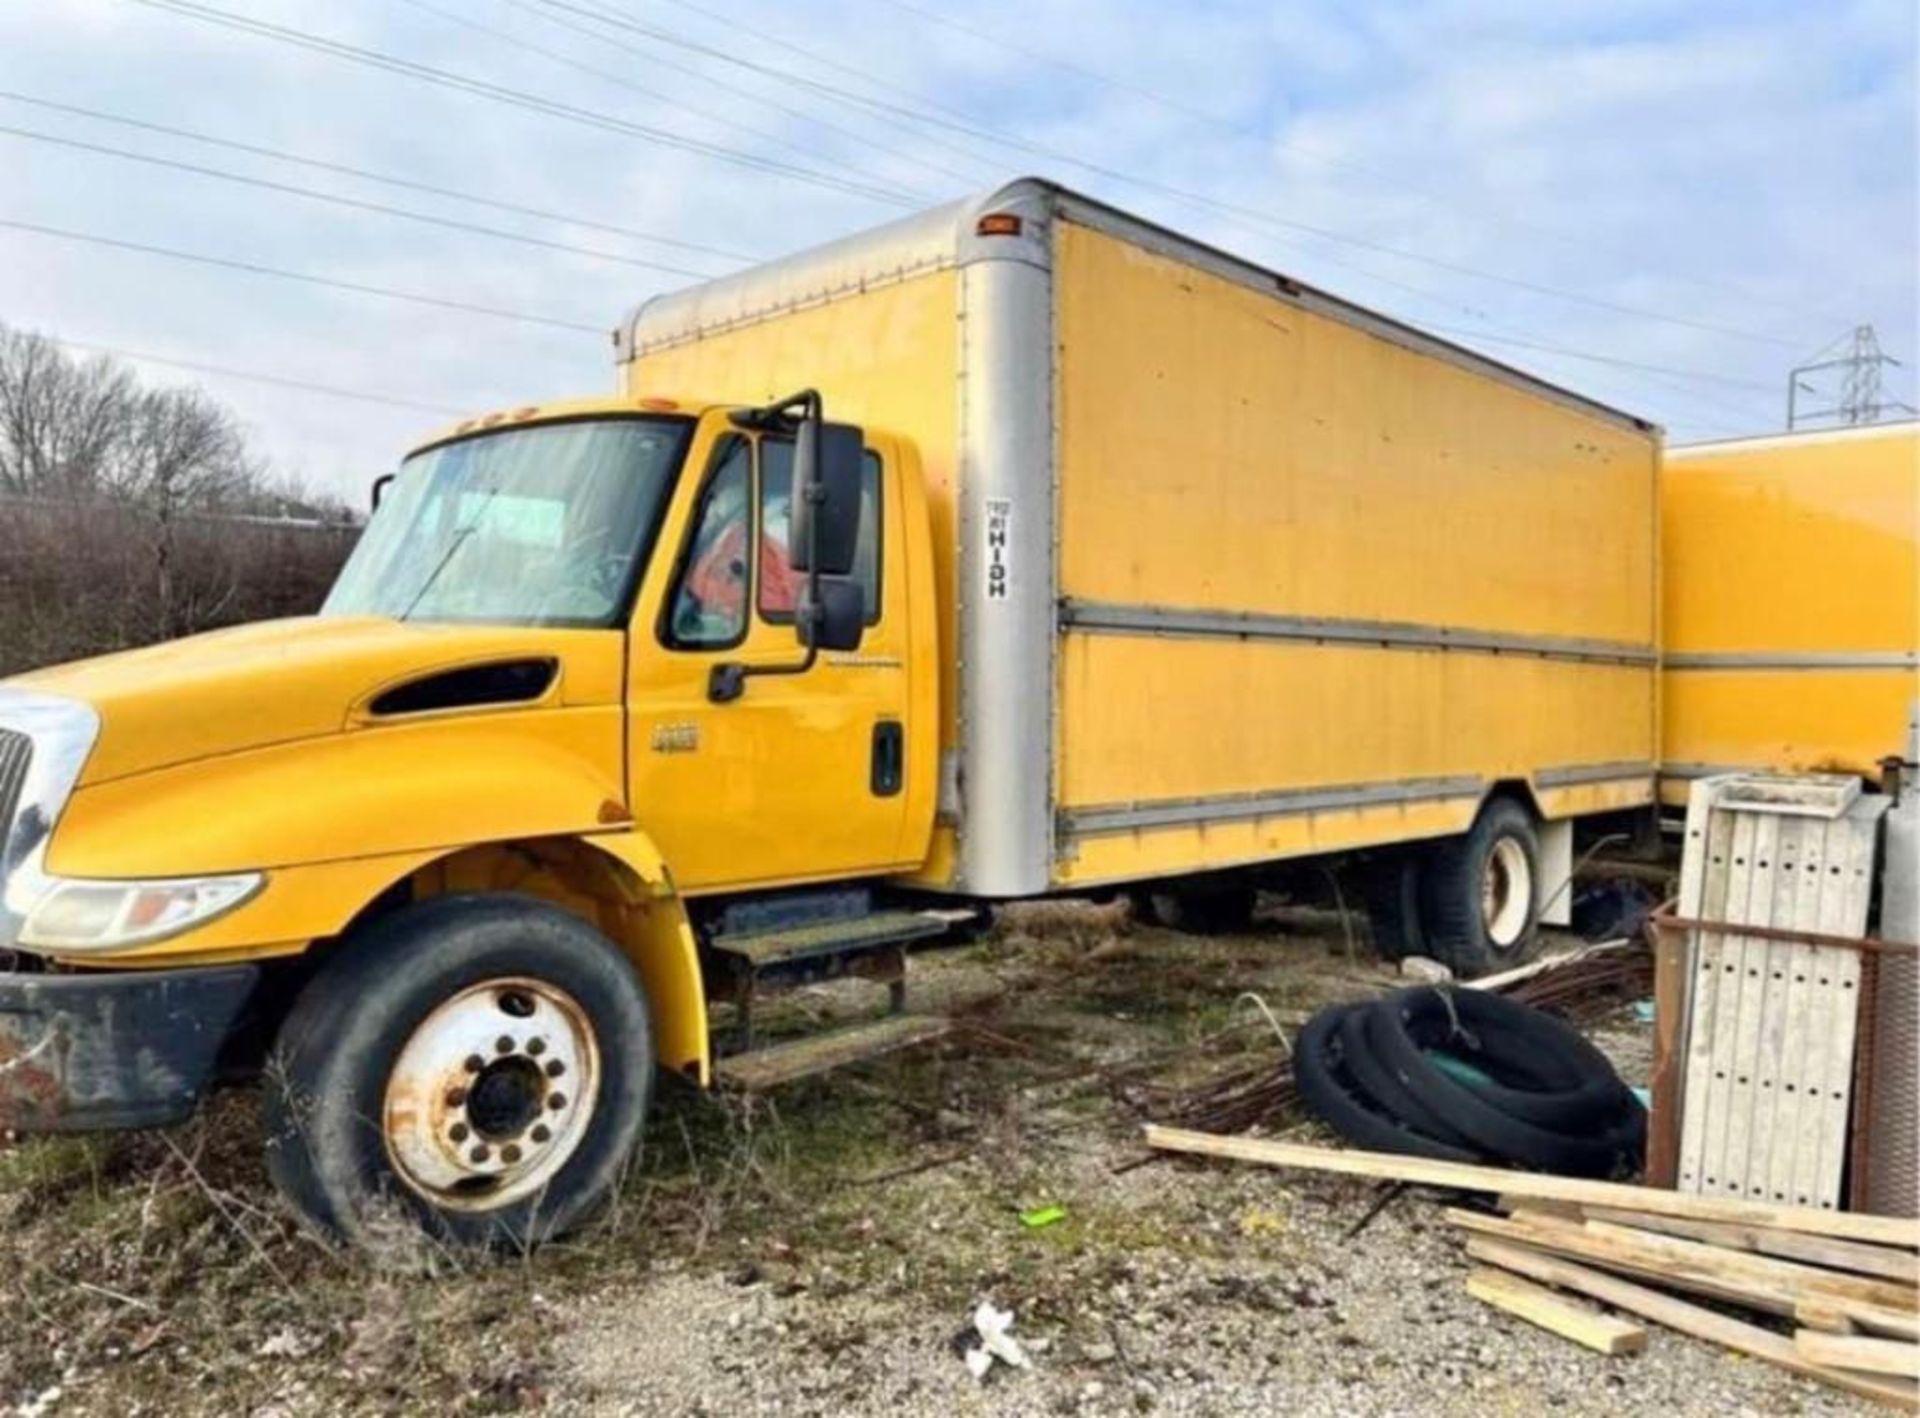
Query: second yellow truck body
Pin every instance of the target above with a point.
(1792, 634)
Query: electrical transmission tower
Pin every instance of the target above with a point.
(1859, 398)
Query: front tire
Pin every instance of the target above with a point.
(478, 1065)
(1481, 893)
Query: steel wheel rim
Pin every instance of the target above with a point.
(1506, 892)
(491, 1094)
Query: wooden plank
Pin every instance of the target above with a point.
(1859, 1352)
(1671, 952)
(1686, 1318)
(1871, 1319)
(1882, 1261)
(1570, 1319)
(1812, 1279)
(1824, 1315)
(1463, 1176)
(1771, 1285)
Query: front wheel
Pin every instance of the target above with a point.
(478, 1065)
(1481, 893)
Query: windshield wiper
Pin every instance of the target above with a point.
(459, 540)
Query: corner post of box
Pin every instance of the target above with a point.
(1007, 578)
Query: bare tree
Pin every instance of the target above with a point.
(130, 514)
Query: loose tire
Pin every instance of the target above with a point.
(1480, 893)
(479, 1066)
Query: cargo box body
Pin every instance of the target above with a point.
(1792, 603)
(1230, 571)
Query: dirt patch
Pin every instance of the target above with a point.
(818, 1251)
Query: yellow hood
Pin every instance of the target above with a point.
(278, 681)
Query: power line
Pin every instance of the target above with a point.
(351, 202)
(1255, 135)
(1699, 374)
(623, 82)
(277, 381)
(533, 103)
(322, 165)
(444, 78)
(621, 19)
(786, 78)
(228, 263)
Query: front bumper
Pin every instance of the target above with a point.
(91, 1052)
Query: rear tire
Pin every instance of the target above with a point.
(1480, 893)
(474, 1067)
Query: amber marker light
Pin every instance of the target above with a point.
(997, 224)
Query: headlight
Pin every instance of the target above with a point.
(74, 915)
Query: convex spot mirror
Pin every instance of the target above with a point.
(838, 620)
(827, 476)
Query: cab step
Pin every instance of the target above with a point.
(765, 950)
(764, 1068)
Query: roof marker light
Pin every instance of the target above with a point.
(997, 224)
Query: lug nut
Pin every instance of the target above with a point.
(536, 1047)
(475, 1063)
(556, 1101)
(456, 1096)
(503, 1045)
(510, 1153)
(481, 1153)
(555, 1068)
(458, 1132)
(540, 1132)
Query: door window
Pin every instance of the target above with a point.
(709, 603)
(780, 584)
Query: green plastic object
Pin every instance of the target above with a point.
(1042, 1216)
(1460, 1071)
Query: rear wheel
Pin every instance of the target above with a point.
(1481, 893)
(478, 1066)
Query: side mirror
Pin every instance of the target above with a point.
(827, 474)
(380, 486)
(837, 620)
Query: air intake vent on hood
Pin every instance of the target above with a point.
(508, 682)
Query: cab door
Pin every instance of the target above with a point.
(801, 777)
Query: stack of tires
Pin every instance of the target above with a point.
(1467, 1076)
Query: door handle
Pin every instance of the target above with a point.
(889, 758)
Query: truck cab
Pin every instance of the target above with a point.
(587, 687)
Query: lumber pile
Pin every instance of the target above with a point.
(1833, 1296)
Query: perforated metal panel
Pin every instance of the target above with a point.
(1772, 1024)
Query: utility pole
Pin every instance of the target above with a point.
(1860, 398)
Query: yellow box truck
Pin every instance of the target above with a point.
(1020, 548)
(1792, 603)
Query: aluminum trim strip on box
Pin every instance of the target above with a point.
(1107, 617)
(1242, 807)
(1578, 774)
(1792, 660)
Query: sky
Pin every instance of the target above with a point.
(1664, 204)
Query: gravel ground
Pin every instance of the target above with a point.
(820, 1251)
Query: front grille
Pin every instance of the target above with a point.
(16, 752)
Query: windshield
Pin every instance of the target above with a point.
(542, 525)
